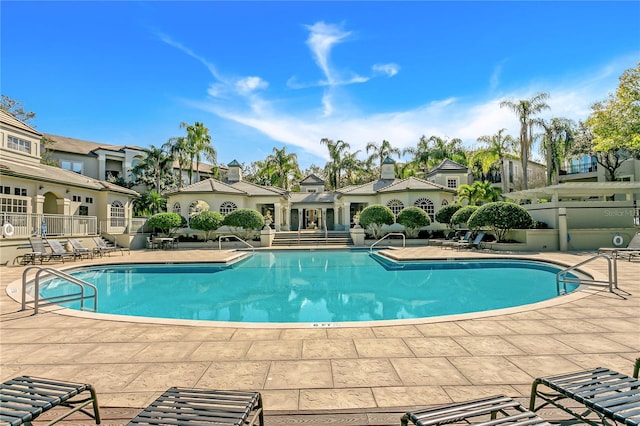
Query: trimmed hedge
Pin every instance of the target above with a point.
(374, 216)
(446, 212)
(167, 223)
(501, 217)
(413, 218)
(461, 217)
(247, 219)
(207, 221)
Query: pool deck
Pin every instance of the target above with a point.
(305, 369)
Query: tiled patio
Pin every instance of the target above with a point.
(352, 369)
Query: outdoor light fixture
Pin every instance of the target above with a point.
(636, 214)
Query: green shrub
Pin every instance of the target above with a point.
(413, 218)
(461, 217)
(501, 217)
(374, 216)
(446, 212)
(244, 222)
(167, 223)
(206, 221)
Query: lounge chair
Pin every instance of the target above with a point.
(39, 250)
(495, 410)
(608, 394)
(79, 250)
(102, 247)
(24, 398)
(59, 252)
(454, 241)
(180, 406)
(467, 244)
(632, 247)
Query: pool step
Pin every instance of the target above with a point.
(312, 238)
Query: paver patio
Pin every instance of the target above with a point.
(369, 367)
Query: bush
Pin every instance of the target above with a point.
(461, 217)
(244, 222)
(413, 218)
(501, 217)
(446, 212)
(206, 221)
(167, 223)
(374, 216)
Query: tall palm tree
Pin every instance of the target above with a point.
(335, 165)
(382, 151)
(154, 169)
(421, 154)
(178, 148)
(198, 145)
(352, 166)
(525, 109)
(285, 167)
(497, 148)
(557, 141)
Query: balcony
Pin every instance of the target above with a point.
(28, 224)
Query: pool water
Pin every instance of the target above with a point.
(315, 287)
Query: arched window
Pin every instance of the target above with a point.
(117, 214)
(426, 205)
(396, 206)
(444, 203)
(227, 207)
(194, 207)
(176, 208)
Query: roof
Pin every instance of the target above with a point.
(368, 188)
(576, 190)
(27, 169)
(414, 184)
(10, 120)
(447, 165)
(237, 188)
(78, 146)
(312, 179)
(313, 197)
(234, 163)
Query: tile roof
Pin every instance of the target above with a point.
(313, 197)
(312, 180)
(447, 165)
(414, 183)
(366, 188)
(10, 120)
(78, 146)
(209, 186)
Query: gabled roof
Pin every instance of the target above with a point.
(10, 120)
(413, 183)
(449, 166)
(313, 197)
(43, 173)
(312, 179)
(209, 186)
(253, 189)
(234, 163)
(368, 188)
(78, 146)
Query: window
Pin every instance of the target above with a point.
(20, 191)
(176, 208)
(452, 183)
(227, 207)
(396, 206)
(88, 200)
(312, 190)
(444, 203)
(117, 214)
(83, 211)
(6, 190)
(72, 166)
(19, 144)
(194, 207)
(76, 198)
(13, 205)
(426, 205)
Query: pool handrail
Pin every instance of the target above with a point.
(611, 282)
(253, 249)
(404, 239)
(37, 300)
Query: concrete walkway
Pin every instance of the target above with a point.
(299, 369)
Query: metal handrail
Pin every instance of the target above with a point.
(237, 238)
(404, 239)
(612, 281)
(37, 300)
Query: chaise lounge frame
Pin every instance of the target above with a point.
(608, 394)
(24, 398)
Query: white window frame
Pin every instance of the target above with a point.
(18, 144)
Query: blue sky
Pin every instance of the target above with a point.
(265, 74)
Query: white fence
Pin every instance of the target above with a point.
(21, 225)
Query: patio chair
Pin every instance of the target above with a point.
(151, 244)
(468, 244)
(24, 398)
(39, 251)
(102, 247)
(180, 406)
(79, 249)
(59, 252)
(494, 410)
(454, 241)
(608, 394)
(633, 246)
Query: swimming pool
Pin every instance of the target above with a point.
(321, 286)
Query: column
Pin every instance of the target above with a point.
(562, 228)
(277, 215)
(346, 217)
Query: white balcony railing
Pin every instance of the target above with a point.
(28, 224)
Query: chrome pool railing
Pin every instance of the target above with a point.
(237, 238)
(404, 239)
(44, 301)
(562, 278)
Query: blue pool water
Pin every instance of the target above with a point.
(316, 287)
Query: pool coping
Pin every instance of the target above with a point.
(13, 291)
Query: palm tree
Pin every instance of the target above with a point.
(382, 151)
(178, 148)
(352, 166)
(421, 154)
(154, 169)
(285, 166)
(557, 140)
(334, 167)
(525, 109)
(198, 145)
(497, 148)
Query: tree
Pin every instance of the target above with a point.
(374, 216)
(178, 149)
(461, 217)
(525, 109)
(446, 212)
(16, 109)
(413, 218)
(496, 150)
(155, 170)
(501, 217)
(421, 154)
(284, 167)
(610, 160)
(334, 167)
(443, 149)
(382, 151)
(244, 222)
(207, 221)
(479, 192)
(198, 145)
(556, 145)
(149, 203)
(167, 223)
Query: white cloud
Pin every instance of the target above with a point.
(387, 69)
(250, 84)
(322, 38)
